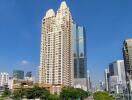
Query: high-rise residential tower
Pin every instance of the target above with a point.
(127, 53)
(56, 58)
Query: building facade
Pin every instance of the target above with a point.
(29, 76)
(115, 77)
(10, 83)
(101, 85)
(89, 81)
(80, 60)
(114, 84)
(81, 83)
(56, 60)
(119, 70)
(127, 54)
(107, 79)
(4, 77)
(18, 74)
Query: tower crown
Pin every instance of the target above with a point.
(50, 13)
(63, 5)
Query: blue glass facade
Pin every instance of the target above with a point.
(18, 74)
(80, 58)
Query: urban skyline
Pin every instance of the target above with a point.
(28, 61)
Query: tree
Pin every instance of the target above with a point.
(67, 93)
(6, 93)
(37, 92)
(102, 96)
(32, 93)
(73, 93)
(18, 94)
(82, 94)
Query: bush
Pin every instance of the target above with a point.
(53, 97)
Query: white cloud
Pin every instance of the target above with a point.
(25, 62)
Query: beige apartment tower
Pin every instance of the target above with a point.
(56, 57)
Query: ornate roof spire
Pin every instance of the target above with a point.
(63, 5)
(50, 13)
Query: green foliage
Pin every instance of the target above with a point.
(81, 93)
(1, 98)
(6, 93)
(73, 93)
(33, 93)
(102, 96)
(53, 97)
(67, 93)
(18, 94)
(37, 92)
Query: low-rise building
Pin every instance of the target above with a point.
(81, 83)
(4, 79)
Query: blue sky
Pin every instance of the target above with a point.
(107, 23)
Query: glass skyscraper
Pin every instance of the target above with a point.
(18, 74)
(80, 58)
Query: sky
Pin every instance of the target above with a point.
(107, 22)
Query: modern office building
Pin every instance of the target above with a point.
(80, 60)
(107, 79)
(28, 76)
(127, 53)
(56, 58)
(89, 81)
(117, 68)
(114, 84)
(80, 57)
(115, 77)
(18, 74)
(4, 77)
(101, 85)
